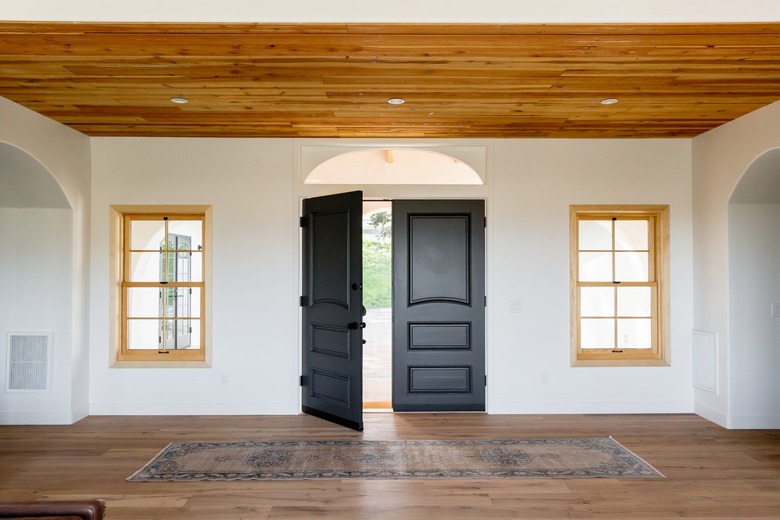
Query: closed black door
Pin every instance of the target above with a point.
(332, 304)
(439, 305)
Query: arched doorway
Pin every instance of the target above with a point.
(754, 292)
(36, 280)
(389, 173)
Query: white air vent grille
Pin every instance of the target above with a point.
(705, 361)
(28, 362)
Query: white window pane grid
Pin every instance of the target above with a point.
(624, 259)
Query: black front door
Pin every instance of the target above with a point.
(438, 305)
(332, 304)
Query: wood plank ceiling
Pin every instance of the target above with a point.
(334, 80)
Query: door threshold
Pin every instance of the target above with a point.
(377, 406)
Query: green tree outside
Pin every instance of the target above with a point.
(377, 275)
(378, 264)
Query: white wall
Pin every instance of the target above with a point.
(248, 183)
(720, 159)
(253, 185)
(754, 281)
(64, 153)
(535, 182)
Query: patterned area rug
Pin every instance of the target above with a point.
(464, 459)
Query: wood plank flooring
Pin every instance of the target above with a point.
(711, 472)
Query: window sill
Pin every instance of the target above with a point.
(620, 363)
(160, 364)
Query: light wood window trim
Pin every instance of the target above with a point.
(120, 357)
(659, 354)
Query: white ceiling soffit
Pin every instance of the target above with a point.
(402, 11)
(440, 165)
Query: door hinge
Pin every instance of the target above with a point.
(304, 222)
(485, 379)
(304, 301)
(303, 381)
(485, 222)
(486, 300)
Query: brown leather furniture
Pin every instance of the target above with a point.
(54, 510)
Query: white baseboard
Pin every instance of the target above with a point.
(711, 414)
(159, 408)
(593, 407)
(754, 422)
(36, 418)
(79, 413)
(43, 417)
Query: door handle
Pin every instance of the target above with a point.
(355, 325)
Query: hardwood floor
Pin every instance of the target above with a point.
(710, 472)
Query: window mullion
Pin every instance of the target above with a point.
(615, 340)
(163, 293)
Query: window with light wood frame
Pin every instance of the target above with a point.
(619, 285)
(162, 286)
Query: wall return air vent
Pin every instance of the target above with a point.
(29, 366)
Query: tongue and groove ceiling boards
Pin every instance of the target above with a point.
(335, 79)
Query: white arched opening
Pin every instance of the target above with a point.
(754, 295)
(36, 281)
(392, 165)
(385, 172)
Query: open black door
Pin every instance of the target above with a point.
(438, 305)
(332, 304)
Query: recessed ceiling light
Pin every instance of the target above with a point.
(608, 101)
(396, 101)
(180, 100)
